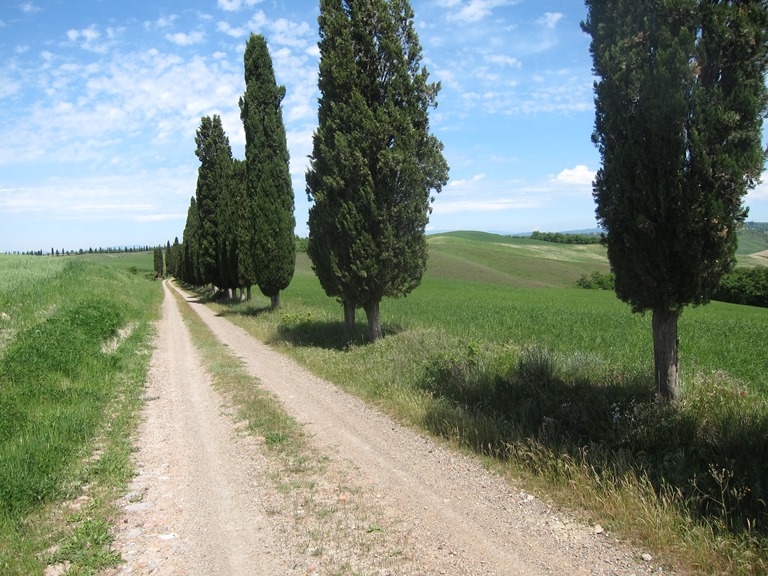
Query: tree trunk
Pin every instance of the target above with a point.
(275, 298)
(665, 357)
(248, 293)
(374, 321)
(349, 318)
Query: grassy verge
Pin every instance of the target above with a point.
(72, 372)
(555, 386)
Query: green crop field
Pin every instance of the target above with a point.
(74, 345)
(142, 262)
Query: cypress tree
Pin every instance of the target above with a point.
(243, 228)
(190, 254)
(158, 262)
(213, 180)
(374, 163)
(679, 99)
(268, 179)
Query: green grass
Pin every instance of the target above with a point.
(495, 352)
(142, 262)
(752, 240)
(491, 258)
(68, 404)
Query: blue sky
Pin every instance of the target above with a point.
(100, 100)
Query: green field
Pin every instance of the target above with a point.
(74, 347)
(498, 352)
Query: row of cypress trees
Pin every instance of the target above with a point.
(373, 169)
(240, 223)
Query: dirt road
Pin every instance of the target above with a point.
(207, 500)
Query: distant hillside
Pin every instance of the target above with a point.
(515, 261)
(753, 240)
(526, 262)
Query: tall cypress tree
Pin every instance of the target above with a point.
(213, 180)
(268, 180)
(680, 98)
(374, 163)
(190, 254)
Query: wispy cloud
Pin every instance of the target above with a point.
(235, 5)
(186, 39)
(493, 204)
(161, 23)
(503, 60)
(462, 183)
(103, 198)
(550, 19)
(29, 8)
(93, 39)
(474, 10)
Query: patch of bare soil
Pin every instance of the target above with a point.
(378, 499)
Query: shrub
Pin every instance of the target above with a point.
(596, 281)
(744, 286)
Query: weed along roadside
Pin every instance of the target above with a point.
(554, 386)
(72, 365)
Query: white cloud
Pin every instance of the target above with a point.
(238, 32)
(87, 34)
(580, 175)
(462, 183)
(162, 22)
(760, 192)
(235, 5)
(288, 33)
(110, 106)
(503, 60)
(183, 39)
(89, 38)
(550, 19)
(475, 10)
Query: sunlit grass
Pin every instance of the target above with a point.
(64, 398)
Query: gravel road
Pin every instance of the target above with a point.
(209, 500)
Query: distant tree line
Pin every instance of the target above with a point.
(63, 252)
(565, 238)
